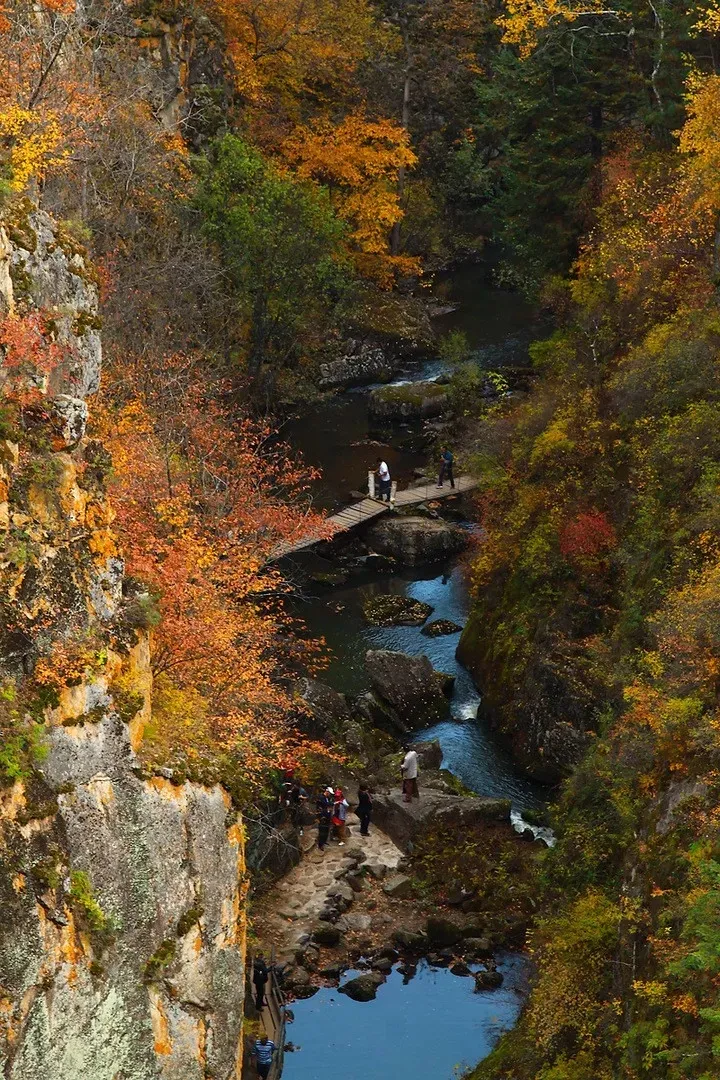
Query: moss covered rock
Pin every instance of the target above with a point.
(408, 401)
(389, 610)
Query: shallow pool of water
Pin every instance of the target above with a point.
(470, 751)
(433, 1027)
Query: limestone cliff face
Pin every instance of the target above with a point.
(122, 893)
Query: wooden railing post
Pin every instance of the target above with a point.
(371, 483)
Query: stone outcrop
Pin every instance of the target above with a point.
(413, 540)
(408, 687)
(122, 951)
(123, 893)
(362, 363)
(404, 821)
(408, 401)
(546, 716)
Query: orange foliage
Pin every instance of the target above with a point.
(288, 46)
(29, 355)
(200, 503)
(359, 159)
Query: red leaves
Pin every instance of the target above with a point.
(587, 537)
(29, 354)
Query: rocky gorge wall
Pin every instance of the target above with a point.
(123, 893)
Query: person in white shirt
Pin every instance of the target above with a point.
(384, 485)
(409, 770)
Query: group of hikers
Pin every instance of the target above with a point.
(331, 809)
(384, 489)
(331, 805)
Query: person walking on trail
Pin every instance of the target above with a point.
(364, 809)
(409, 771)
(324, 804)
(384, 482)
(298, 796)
(260, 978)
(446, 467)
(263, 1051)
(340, 809)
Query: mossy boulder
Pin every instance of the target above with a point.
(389, 610)
(440, 628)
(415, 539)
(408, 401)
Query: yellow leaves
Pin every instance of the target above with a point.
(655, 993)
(527, 19)
(699, 139)
(359, 160)
(288, 45)
(32, 145)
(709, 20)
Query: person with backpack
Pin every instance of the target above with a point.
(384, 482)
(340, 809)
(446, 467)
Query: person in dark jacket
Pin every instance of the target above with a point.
(324, 806)
(446, 467)
(364, 809)
(260, 978)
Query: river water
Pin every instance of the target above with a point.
(434, 1026)
(333, 435)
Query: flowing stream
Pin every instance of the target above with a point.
(434, 1025)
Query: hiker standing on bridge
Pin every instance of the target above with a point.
(263, 1051)
(446, 467)
(384, 482)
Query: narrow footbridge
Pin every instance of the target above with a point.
(358, 513)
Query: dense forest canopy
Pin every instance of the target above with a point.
(251, 179)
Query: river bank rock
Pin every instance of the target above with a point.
(409, 685)
(362, 362)
(408, 401)
(415, 539)
(403, 821)
(393, 610)
(323, 710)
(546, 715)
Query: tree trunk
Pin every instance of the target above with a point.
(405, 120)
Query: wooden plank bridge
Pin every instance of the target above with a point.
(358, 513)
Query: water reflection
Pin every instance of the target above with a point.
(430, 1027)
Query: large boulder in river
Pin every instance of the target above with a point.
(413, 540)
(363, 362)
(408, 401)
(409, 684)
(363, 987)
(390, 609)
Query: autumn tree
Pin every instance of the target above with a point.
(200, 505)
(358, 160)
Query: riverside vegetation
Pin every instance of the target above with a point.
(225, 193)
